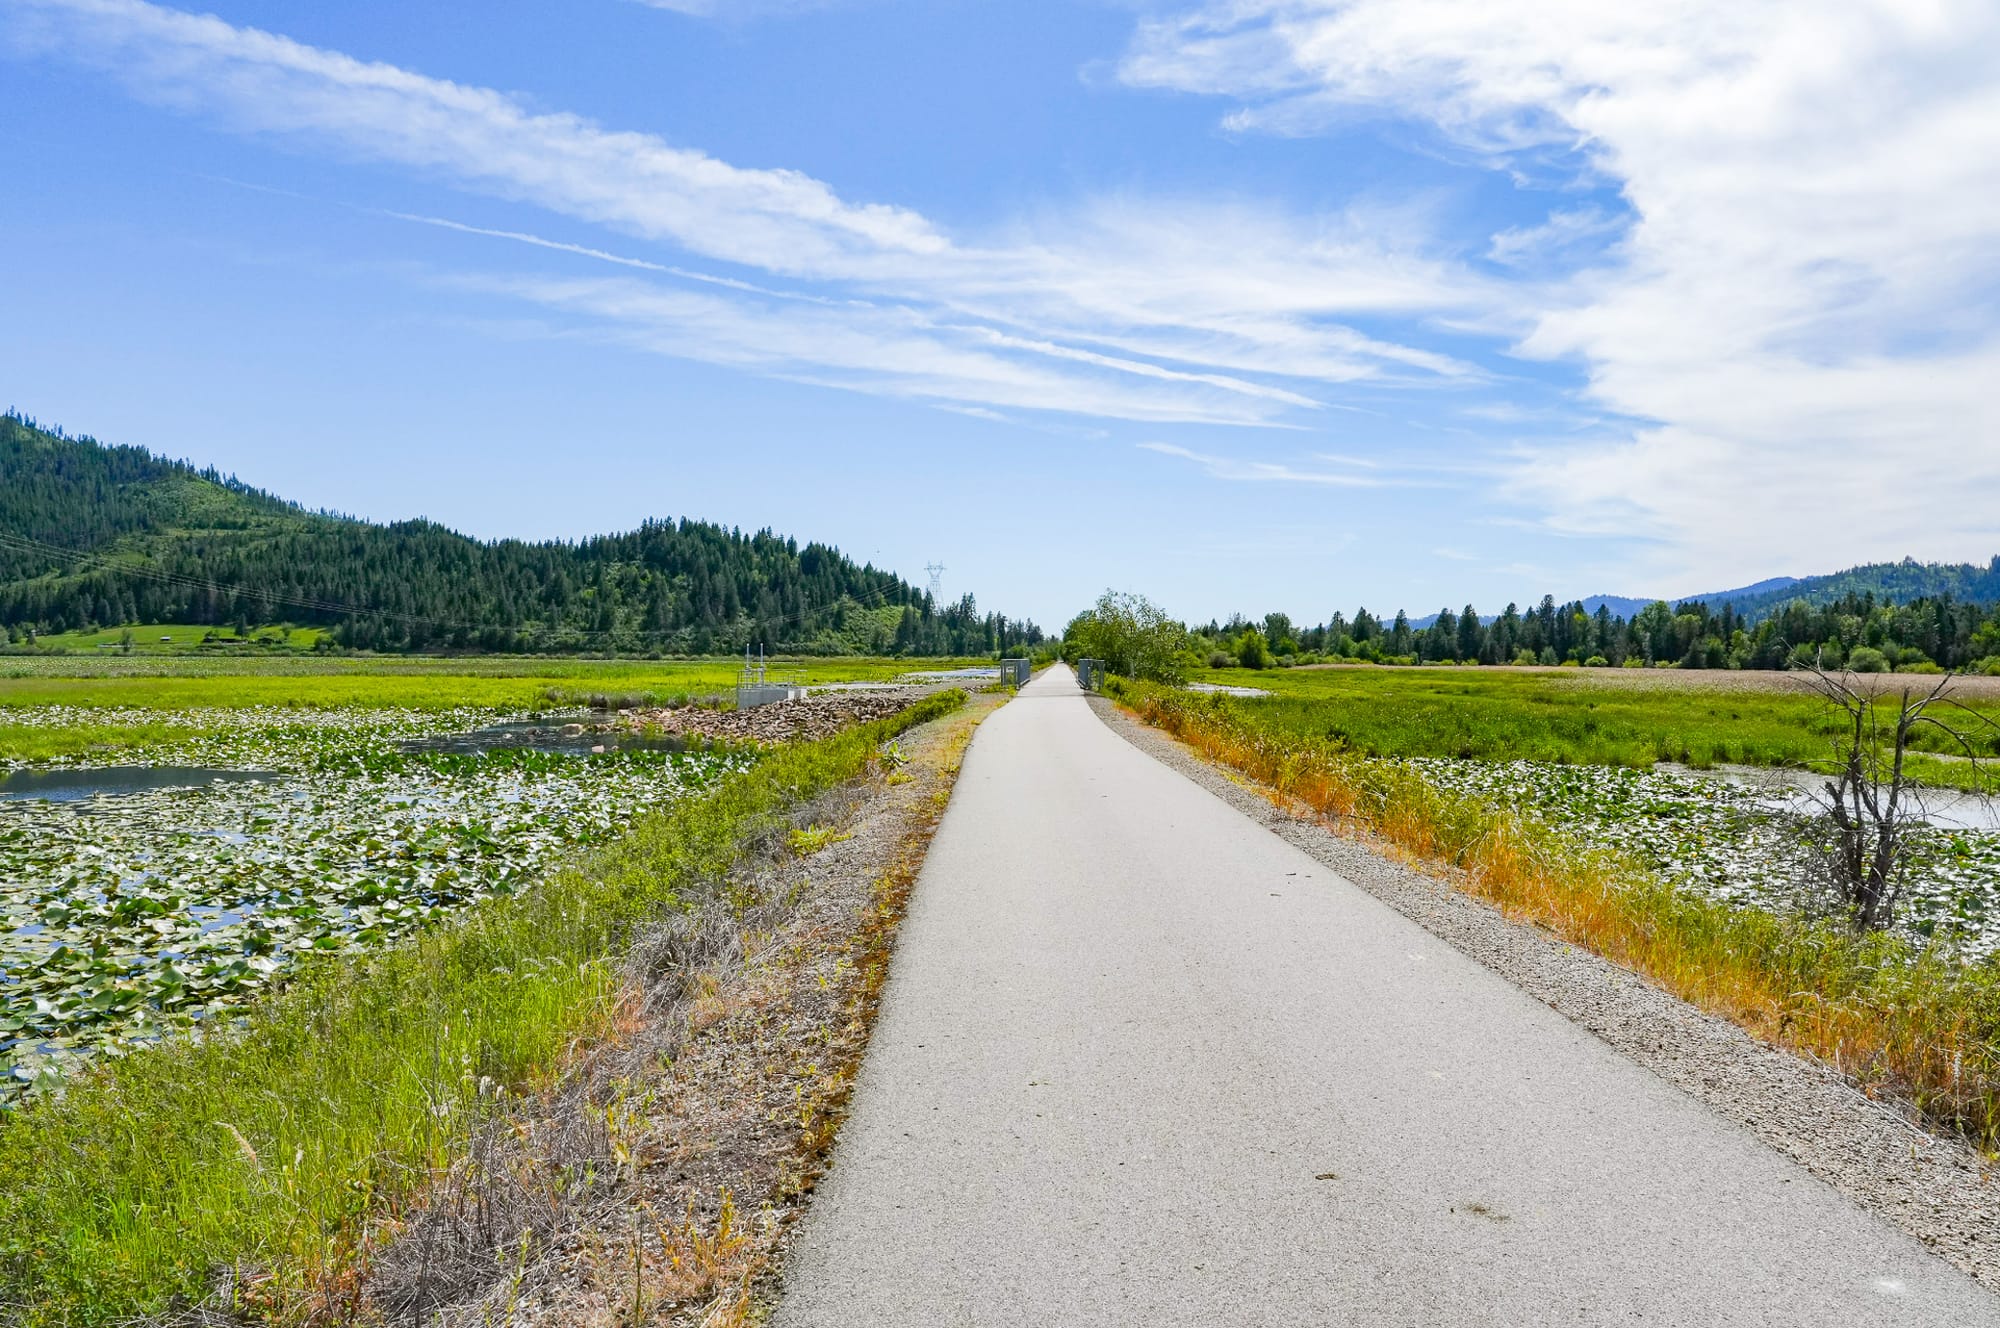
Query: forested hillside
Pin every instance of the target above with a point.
(1903, 582)
(1857, 631)
(99, 536)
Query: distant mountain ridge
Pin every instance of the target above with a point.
(1889, 583)
(1623, 606)
(95, 536)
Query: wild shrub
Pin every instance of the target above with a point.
(1132, 635)
(1867, 659)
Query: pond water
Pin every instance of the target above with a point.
(269, 835)
(1735, 835)
(1224, 689)
(1787, 791)
(112, 781)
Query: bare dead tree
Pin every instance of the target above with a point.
(1867, 819)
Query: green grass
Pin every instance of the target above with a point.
(274, 1146)
(35, 743)
(1501, 715)
(500, 682)
(184, 638)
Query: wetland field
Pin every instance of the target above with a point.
(279, 937)
(176, 834)
(1697, 776)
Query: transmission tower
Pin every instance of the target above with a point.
(937, 581)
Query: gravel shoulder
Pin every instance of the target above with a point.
(1938, 1190)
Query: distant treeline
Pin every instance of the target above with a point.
(96, 536)
(1855, 631)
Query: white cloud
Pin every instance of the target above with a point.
(779, 220)
(522, 237)
(886, 351)
(1135, 308)
(1265, 472)
(1555, 238)
(1800, 310)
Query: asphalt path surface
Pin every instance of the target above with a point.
(1140, 1062)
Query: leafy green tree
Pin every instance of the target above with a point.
(1867, 659)
(1132, 635)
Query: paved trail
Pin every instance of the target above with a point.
(1142, 1063)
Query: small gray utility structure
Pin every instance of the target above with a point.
(1090, 674)
(1015, 671)
(754, 687)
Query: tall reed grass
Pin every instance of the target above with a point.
(1916, 1024)
(255, 1157)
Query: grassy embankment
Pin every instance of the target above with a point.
(183, 639)
(1914, 1024)
(498, 683)
(1586, 717)
(271, 1148)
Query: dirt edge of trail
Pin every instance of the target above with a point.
(1939, 1190)
(660, 1184)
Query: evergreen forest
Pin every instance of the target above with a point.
(1858, 630)
(95, 536)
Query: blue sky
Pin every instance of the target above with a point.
(1296, 304)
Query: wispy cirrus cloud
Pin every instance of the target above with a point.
(1125, 308)
(1797, 307)
(778, 220)
(885, 350)
(1271, 472)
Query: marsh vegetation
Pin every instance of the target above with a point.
(293, 932)
(166, 895)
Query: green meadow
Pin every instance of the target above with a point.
(1595, 717)
(311, 929)
(114, 687)
(182, 639)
